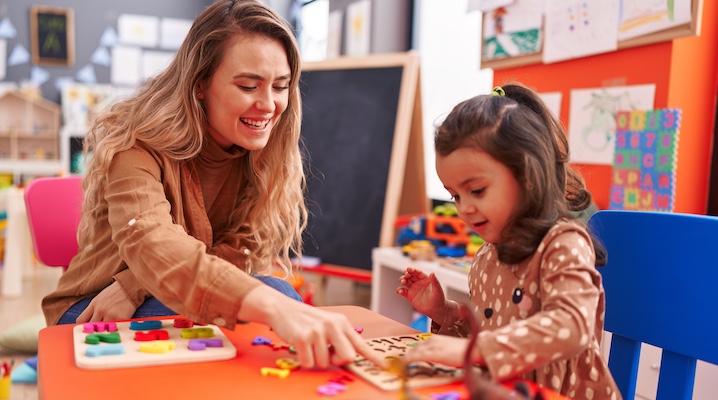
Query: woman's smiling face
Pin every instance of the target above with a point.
(248, 93)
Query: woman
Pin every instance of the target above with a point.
(195, 184)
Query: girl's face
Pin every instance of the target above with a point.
(485, 191)
(248, 93)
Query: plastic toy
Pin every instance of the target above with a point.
(420, 250)
(441, 231)
(451, 251)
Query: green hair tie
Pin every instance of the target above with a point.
(498, 91)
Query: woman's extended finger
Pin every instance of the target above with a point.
(365, 350)
(321, 351)
(305, 354)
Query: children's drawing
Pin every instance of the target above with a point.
(645, 161)
(513, 30)
(420, 374)
(579, 28)
(641, 17)
(592, 119)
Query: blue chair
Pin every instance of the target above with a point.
(660, 283)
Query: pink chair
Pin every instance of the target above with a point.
(53, 211)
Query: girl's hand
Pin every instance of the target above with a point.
(111, 304)
(447, 350)
(424, 292)
(321, 338)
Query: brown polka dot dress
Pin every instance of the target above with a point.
(542, 319)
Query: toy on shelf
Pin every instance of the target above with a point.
(420, 250)
(443, 229)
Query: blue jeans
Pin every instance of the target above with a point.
(154, 308)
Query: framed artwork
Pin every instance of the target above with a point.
(52, 36)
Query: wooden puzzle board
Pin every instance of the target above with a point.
(132, 357)
(421, 374)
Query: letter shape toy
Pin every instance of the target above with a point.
(92, 327)
(107, 350)
(201, 344)
(281, 373)
(157, 347)
(160, 334)
(96, 338)
(194, 333)
(145, 325)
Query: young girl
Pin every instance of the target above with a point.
(534, 287)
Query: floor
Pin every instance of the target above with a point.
(40, 280)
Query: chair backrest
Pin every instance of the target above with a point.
(660, 283)
(53, 211)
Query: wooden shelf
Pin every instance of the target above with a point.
(29, 135)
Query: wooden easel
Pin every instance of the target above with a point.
(406, 183)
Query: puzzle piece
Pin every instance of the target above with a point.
(288, 363)
(158, 347)
(145, 325)
(331, 389)
(278, 346)
(194, 333)
(160, 334)
(280, 373)
(446, 396)
(183, 323)
(91, 327)
(261, 340)
(342, 379)
(425, 335)
(96, 338)
(106, 350)
(201, 344)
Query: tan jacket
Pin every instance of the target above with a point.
(162, 232)
(542, 319)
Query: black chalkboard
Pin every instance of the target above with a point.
(355, 136)
(52, 36)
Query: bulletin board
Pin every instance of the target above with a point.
(690, 28)
(362, 137)
(52, 36)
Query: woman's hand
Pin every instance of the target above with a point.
(321, 338)
(424, 292)
(111, 304)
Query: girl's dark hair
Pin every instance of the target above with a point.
(519, 131)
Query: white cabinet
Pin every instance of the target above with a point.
(389, 264)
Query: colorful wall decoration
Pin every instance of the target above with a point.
(645, 160)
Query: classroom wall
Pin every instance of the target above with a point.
(684, 72)
(91, 19)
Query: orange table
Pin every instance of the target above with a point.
(60, 378)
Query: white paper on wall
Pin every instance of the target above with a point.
(3, 59)
(138, 30)
(579, 28)
(154, 62)
(126, 64)
(173, 32)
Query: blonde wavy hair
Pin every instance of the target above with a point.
(166, 116)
